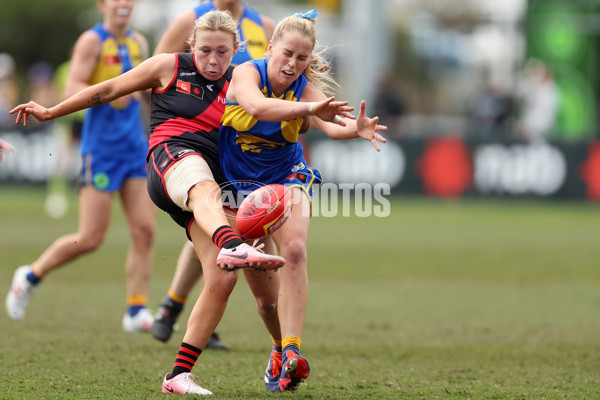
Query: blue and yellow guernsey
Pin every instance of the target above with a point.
(259, 151)
(115, 128)
(251, 31)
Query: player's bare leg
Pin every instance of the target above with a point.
(187, 273)
(140, 212)
(291, 240)
(94, 216)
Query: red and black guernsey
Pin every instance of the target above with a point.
(189, 110)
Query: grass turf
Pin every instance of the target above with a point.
(461, 300)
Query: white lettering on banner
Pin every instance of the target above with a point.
(538, 169)
(357, 161)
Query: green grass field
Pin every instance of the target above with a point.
(460, 300)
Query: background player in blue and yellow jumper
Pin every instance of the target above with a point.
(113, 151)
(268, 101)
(254, 31)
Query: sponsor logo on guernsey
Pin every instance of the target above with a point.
(187, 73)
(210, 87)
(183, 86)
(111, 59)
(190, 88)
(298, 167)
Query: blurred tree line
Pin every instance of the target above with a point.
(42, 30)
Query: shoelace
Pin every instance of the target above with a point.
(188, 379)
(276, 363)
(259, 247)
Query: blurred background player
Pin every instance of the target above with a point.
(255, 31)
(113, 152)
(66, 132)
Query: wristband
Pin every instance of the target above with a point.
(336, 120)
(310, 108)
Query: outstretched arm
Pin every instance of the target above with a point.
(244, 89)
(155, 72)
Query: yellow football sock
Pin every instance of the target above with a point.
(292, 341)
(276, 342)
(137, 300)
(175, 297)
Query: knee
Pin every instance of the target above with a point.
(143, 235)
(222, 285)
(87, 244)
(266, 306)
(295, 252)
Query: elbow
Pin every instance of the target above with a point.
(254, 111)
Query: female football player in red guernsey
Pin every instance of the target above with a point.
(188, 100)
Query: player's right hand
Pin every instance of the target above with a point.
(32, 108)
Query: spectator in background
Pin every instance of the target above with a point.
(540, 98)
(389, 104)
(41, 88)
(488, 112)
(9, 93)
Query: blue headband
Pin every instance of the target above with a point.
(312, 14)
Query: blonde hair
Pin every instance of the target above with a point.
(215, 21)
(317, 70)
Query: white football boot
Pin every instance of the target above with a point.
(140, 322)
(19, 294)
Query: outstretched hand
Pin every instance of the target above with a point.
(5, 146)
(368, 128)
(328, 110)
(32, 108)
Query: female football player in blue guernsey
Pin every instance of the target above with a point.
(188, 100)
(255, 31)
(113, 151)
(267, 103)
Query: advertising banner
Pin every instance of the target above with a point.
(445, 166)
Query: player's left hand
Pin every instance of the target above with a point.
(368, 127)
